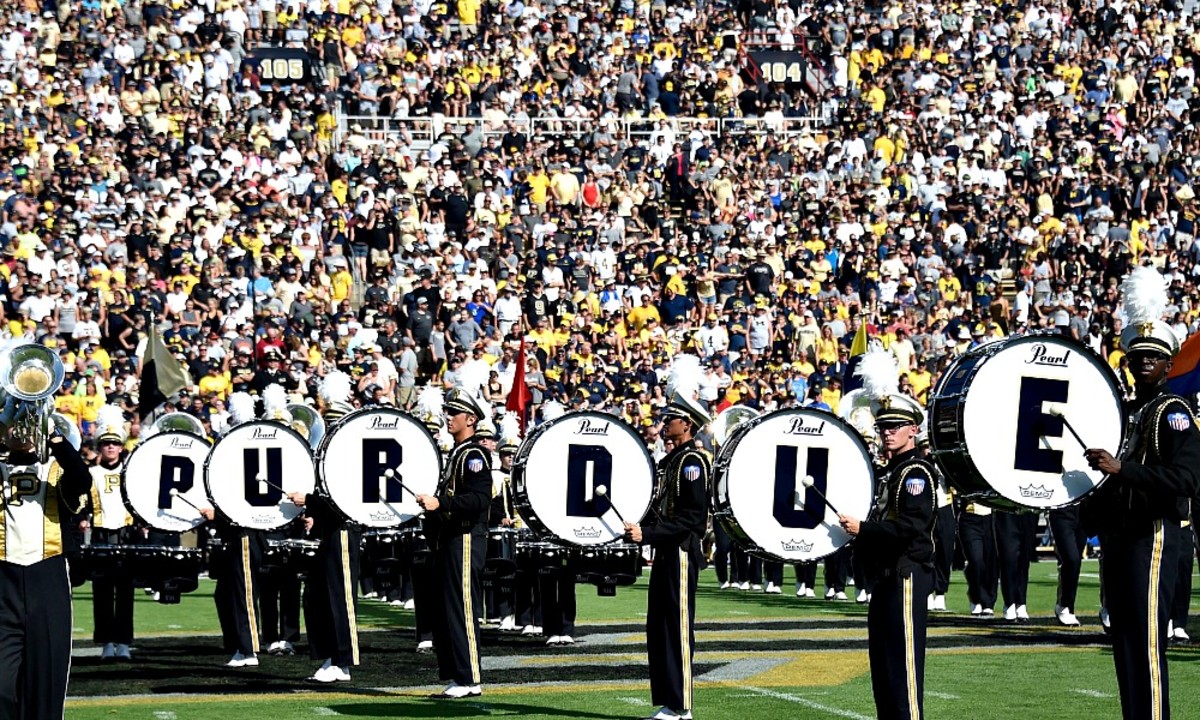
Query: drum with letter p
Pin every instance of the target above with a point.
(163, 481)
(251, 470)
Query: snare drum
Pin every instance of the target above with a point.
(615, 564)
(162, 463)
(289, 557)
(537, 557)
(559, 467)
(103, 561)
(501, 551)
(993, 427)
(171, 571)
(414, 546)
(354, 457)
(759, 495)
(252, 468)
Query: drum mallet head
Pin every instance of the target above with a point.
(602, 491)
(390, 474)
(262, 478)
(1057, 411)
(811, 484)
(176, 494)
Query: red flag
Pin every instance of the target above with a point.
(519, 397)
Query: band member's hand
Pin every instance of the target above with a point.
(298, 498)
(633, 532)
(506, 522)
(428, 503)
(1103, 461)
(84, 524)
(308, 524)
(849, 524)
(208, 513)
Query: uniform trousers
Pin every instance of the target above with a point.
(112, 597)
(837, 570)
(943, 549)
(726, 556)
(1016, 535)
(1183, 576)
(457, 567)
(1069, 540)
(279, 593)
(670, 622)
(1139, 582)
(236, 596)
(979, 547)
(35, 639)
(330, 602)
(528, 599)
(558, 600)
(425, 597)
(806, 574)
(896, 622)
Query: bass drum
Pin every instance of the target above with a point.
(562, 464)
(759, 495)
(171, 461)
(996, 422)
(251, 470)
(356, 454)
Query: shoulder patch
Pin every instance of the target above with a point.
(475, 464)
(914, 485)
(691, 473)
(1179, 421)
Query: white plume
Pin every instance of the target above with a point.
(430, 403)
(879, 372)
(684, 376)
(335, 388)
(275, 403)
(110, 418)
(444, 439)
(241, 408)
(510, 428)
(552, 410)
(1144, 295)
(473, 377)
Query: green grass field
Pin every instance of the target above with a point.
(757, 656)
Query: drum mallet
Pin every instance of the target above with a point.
(176, 494)
(811, 484)
(602, 491)
(390, 474)
(262, 478)
(1056, 411)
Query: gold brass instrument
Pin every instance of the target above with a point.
(727, 420)
(67, 429)
(30, 374)
(175, 422)
(308, 422)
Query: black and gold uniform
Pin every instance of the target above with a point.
(236, 594)
(112, 590)
(40, 500)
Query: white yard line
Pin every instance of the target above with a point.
(810, 704)
(1088, 692)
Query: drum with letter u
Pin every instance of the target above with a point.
(996, 421)
(559, 471)
(760, 496)
(163, 482)
(251, 470)
(355, 458)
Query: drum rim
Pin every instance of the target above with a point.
(991, 498)
(253, 423)
(323, 447)
(722, 511)
(125, 470)
(518, 483)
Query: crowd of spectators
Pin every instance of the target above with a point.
(982, 169)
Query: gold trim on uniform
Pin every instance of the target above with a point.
(684, 637)
(348, 592)
(1156, 700)
(249, 578)
(910, 656)
(469, 608)
(52, 542)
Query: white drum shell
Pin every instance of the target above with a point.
(224, 474)
(142, 476)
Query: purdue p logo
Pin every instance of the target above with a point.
(20, 485)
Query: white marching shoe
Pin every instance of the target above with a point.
(1022, 612)
(121, 651)
(841, 595)
(800, 588)
(939, 603)
(109, 652)
(726, 585)
(330, 673)
(454, 691)
(425, 646)
(976, 609)
(240, 661)
(1181, 635)
(667, 713)
(862, 597)
(929, 602)
(1010, 613)
(1104, 620)
(772, 589)
(742, 586)
(829, 593)
(1065, 616)
(509, 623)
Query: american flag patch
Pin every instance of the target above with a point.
(691, 473)
(1179, 421)
(474, 465)
(915, 485)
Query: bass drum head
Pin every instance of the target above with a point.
(760, 492)
(561, 465)
(355, 456)
(1022, 451)
(162, 463)
(252, 468)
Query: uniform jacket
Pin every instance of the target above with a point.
(41, 501)
(465, 492)
(901, 538)
(679, 512)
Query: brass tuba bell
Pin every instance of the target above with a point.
(30, 374)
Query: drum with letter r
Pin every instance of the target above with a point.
(759, 492)
(571, 472)
(163, 481)
(998, 421)
(251, 470)
(370, 464)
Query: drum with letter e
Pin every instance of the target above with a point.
(760, 494)
(373, 461)
(251, 470)
(999, 417)
(163, 481)
(571, 472)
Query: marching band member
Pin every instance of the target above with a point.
(35, 590)
(1069, 541)
(504, 515)
(677, 526)
(556, 585)
(279, 587)
(430, 407)
(1016, 537)
(330, 598)
(1138, 511)
(898, 546)
(943, 539)
(111, 524)
(456, 526)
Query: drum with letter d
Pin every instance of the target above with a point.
(996, 421)
(251, 470)
(760, 496)
(559, 471)
(163, 481)
(355, 458)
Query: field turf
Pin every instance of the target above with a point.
(757, 656)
